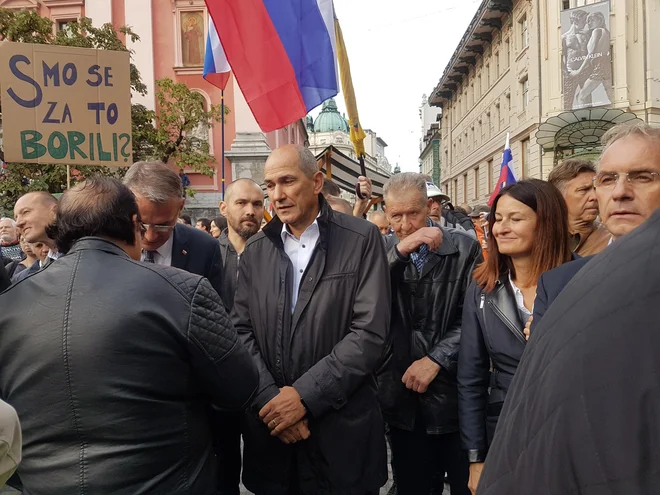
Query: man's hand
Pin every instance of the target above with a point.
(283, 411)
(362, 204)
(296, 433)
(528, 327)
(431, 236)
(420, 374)
(475, 476)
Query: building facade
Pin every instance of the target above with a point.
(554, 75)
(172, 43)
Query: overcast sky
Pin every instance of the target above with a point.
(398, 51)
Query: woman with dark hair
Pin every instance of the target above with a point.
(218, 226)
(529, 236)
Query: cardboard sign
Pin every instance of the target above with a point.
(65, 105)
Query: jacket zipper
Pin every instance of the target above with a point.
(516, 331)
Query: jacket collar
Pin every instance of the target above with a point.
(273, 230)
(503, 303)
(97, 244)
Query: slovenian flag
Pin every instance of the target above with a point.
(507, 175)
(216, 66)
(282, 53)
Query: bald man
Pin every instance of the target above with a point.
(339, 205)
(313, 307)
(379, 219)
(35, 212)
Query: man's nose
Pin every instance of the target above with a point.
(622, 189)
(150, 235)
(591, 196)
(277, 193)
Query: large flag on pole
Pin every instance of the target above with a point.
(216, 66)
(357, 133)
(507, 175)
(282, 53)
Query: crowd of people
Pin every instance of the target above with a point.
(499, 351)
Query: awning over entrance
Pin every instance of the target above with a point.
(579, 129)
(345, 171)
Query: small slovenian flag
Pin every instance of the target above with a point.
(507, 175)
(282, 53)
(216, 66)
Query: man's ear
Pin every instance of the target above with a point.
(318, 182)
(183, 203)
(223, 209)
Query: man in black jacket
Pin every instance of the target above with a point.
(582, 413)
(112, 372)
(243, 207)
(313, 308)
(431, 268)
(159, 195)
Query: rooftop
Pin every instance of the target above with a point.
(479, 34)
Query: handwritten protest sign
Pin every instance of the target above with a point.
(65, 105)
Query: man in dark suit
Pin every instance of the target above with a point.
(159, 194)
(628, 191)
(582, 413)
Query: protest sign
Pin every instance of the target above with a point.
(65, 105)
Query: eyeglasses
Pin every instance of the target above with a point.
(641, 179)
(160, 229)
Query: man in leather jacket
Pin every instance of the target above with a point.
(112, 364)
(431, 268)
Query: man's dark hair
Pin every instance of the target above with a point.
(206, 223)
(186, 219)
(221, 223)
(99, 206)
(330, 188)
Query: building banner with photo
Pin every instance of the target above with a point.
(65, 105)
(586, 56)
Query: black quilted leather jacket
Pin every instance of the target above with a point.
(111, 365)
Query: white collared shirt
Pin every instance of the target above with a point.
(51, 255)
(163, 255)
(520, 301)
(300, 253)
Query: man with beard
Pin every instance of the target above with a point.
(243, 208)
(9, 245)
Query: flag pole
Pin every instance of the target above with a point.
(222, 109)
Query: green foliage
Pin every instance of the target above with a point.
(180, 113)
(167, 134)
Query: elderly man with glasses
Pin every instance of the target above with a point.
(627, 186)
(159, 194)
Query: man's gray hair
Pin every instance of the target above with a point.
(621, 131)
(11, 220)
(308, 163)
(375, 214)
(154, 181)
(405, 181)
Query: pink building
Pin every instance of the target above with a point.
(172, 41)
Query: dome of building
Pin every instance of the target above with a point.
(330, 120)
